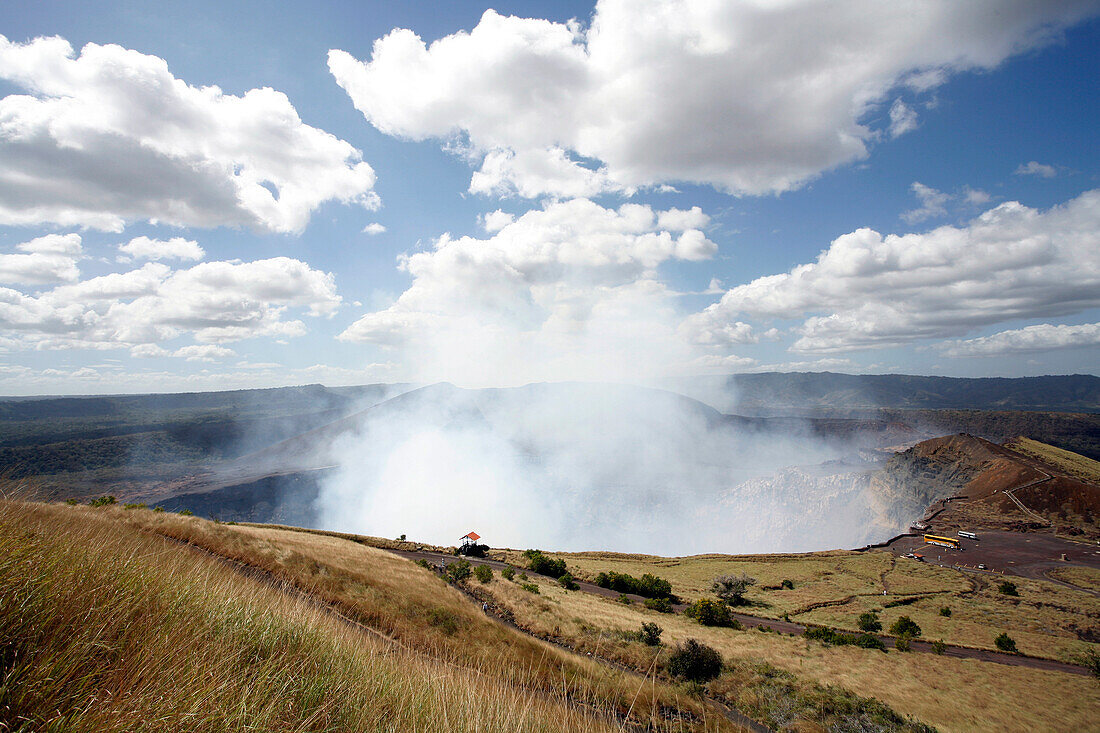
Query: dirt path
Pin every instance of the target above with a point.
(789, 627)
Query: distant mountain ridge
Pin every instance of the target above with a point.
(806, 392)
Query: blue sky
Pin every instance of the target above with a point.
(622, 191)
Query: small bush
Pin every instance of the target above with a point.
(624, 599)
(103, 501)
(905, 626)
(523, 576)
(424, 564)
(133, 506)
(1008, 588)
(732, 588)
(649, 585)
(186, 513)
(832, 637)
(530, 588)
(902, 643)
(938, 647)
(566, 581)
(787, 584)
(869, 622)
(483, 573)
(695, 662)
(543, 565)
(158, 509)
(1006, 643)
(458, 571)
(1091, 661)
(508, 573)
(651, 634)
(401, 538)
(444, 620)
(660, 605)
(945, 611)
(72, 502)
(712, 613)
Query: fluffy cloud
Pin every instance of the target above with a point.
(868, 290)
(931, 203)
(1043, 337)
(112, 136)
(1035, 168)
(176, 248)
(49, 259)
(214, 302)
(750, 97)
(568, 291)
(204, 352)
(374, 228)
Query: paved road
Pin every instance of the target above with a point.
(788, 627)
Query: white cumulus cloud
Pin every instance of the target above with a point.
(1043, 337)
(749, 97)
(868, 290)
(176, 248)
(47, 260)
(110, 136)
(568, 291)
(1035, 168)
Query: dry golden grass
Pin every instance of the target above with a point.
(834, 588)
(425, 615)
(1072, 463)
(103, 628)
(952, 694)
(1081, 577)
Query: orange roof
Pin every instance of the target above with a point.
(472, 536)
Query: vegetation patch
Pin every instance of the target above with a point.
(649, 585)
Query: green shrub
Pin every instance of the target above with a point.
(938, 647)
(530, 587)
(566, 581)
(945, 611)
(483, 573)
(444, 620)
(458, 571)
(660, 605)
(624, 599)
(523, 576)
(868, 621)
(186, 513)
(103, 501)
(905, 626)
(158, 509)
(424, 564)
(694, 661)
(712, 613)
(788, 584)
(902, 643)
(1091, 661)
(651, 634)
(732, 588)
(649, 585)
(832, 637)
(1006, 643)
(72, 502)
(508, 573)
(1008, 588)
(133, 506)
(543, 565)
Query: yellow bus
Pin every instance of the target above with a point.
(932, 539)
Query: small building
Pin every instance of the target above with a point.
(470, 538)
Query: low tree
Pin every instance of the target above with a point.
(905, 626)
(695, 661)
(711, 613)
(868, 621)
(483, 573)
(459, 571)
(1008, 588)
(732, 588)
(566, 581)
(938, 647)
(508, 573)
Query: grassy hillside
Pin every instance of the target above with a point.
(107, 626)
(1074, 464)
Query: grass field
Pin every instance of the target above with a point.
(834, 588)
(1074, 464)
(104, 628)
(951, 694)
(1081, 577)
